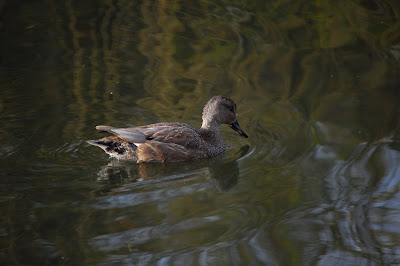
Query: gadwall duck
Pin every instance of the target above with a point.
(173, 142)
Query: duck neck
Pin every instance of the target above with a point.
(210, 125)
(210, 132)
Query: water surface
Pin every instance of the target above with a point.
(317, 88)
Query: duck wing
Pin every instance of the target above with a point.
(177, 133)
(181, 134)
(131, 135)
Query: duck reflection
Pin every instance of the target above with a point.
(221, 172)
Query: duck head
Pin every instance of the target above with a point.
(221, 110)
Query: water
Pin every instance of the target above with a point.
(317, 89)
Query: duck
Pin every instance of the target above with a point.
(173, 142)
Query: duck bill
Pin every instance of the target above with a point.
(235, 126)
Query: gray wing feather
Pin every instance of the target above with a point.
(129, 134)
(104, 128)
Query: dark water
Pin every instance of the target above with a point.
(317, 88)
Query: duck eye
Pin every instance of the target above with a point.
(231, 109)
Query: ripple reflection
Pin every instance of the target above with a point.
(361, 209)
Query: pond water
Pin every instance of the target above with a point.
(317, 84)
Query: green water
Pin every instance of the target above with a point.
(317, 85)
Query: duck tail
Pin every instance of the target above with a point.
(116, 147)
(98, 143)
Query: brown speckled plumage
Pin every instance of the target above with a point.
(172, 142)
